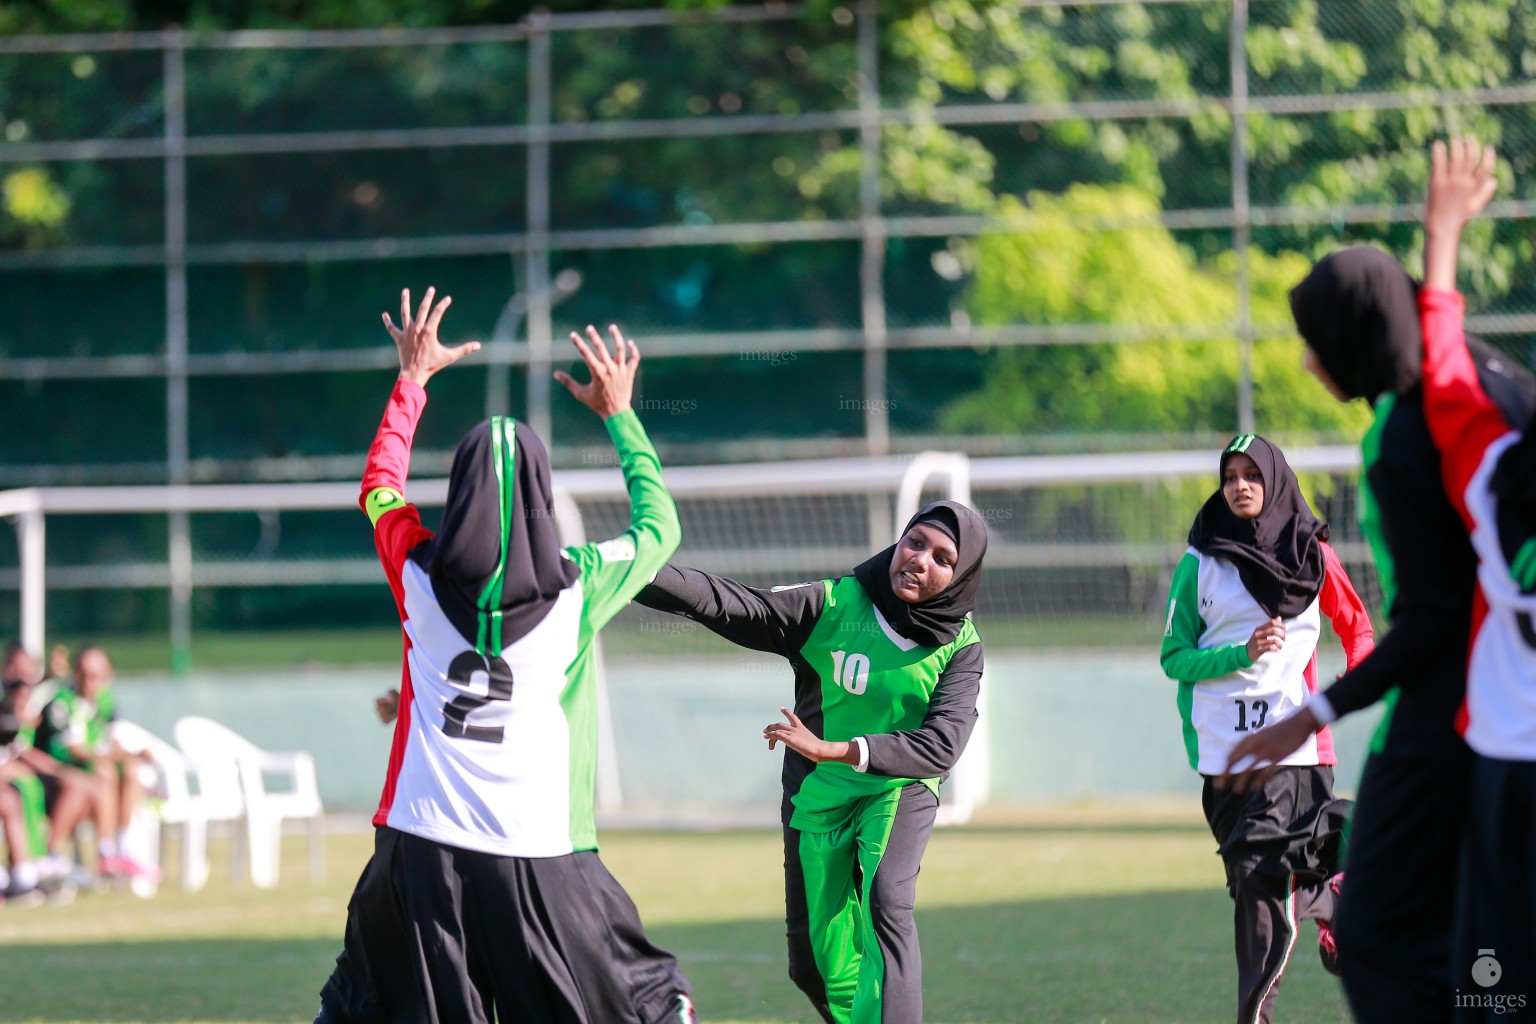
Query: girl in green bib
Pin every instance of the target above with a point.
(887, 670)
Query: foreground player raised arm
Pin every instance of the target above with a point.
(485, 898)
(1490, 476)
(1358, 313)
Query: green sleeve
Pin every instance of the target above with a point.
(1182, 659)
(614, 571)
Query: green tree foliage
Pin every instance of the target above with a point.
(1055, 175)
(1050, 270)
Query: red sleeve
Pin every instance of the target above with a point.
(1462, 418)
(1345, 610)
(389, 457)
(398, 530)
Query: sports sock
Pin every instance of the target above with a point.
(24, 875)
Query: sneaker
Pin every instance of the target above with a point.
(1328, 948)
(58, 893)
(1327, 945)
(54, 867)
(139, 869)
(112, 865)
(20, 898)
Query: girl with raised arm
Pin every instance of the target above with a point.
(1489, 472)
(485, 898)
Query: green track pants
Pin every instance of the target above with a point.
(849, 896)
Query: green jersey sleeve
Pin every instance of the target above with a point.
(614, 571)
(1182, 658)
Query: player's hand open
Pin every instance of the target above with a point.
(613, 374)
(1461, 183)
(421, 354)
(1253, 760)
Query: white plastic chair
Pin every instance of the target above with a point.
(173, 804)
(219, 751)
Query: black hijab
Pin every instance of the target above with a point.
(1359, 311)
(938, 620)
(496, 563)
(1278, 553)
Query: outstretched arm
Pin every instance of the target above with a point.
(613, 571)
(1463, 420)
(397, 525)
(777, 620)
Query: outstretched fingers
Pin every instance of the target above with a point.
(599, 346)
(581, 346)
(437, 313)
(426, 305)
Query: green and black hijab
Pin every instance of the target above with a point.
(938, 620)
(497, 564)
(1278, 553)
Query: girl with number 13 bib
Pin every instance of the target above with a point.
(1243, 621)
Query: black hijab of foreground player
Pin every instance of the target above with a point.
(496, 563)
(938, 620)
(1358, 309)
(1279, 552)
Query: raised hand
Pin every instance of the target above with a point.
(1461, 184)
(421, 354)
(613, 374)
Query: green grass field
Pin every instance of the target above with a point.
(1068, 915)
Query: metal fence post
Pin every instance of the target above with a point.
(877, 428)
(176, 444)
(536, 278)
(1241, 213)
(31, 542)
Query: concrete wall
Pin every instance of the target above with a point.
(1063, 725)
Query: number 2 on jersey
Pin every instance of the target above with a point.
(456, 712)
(1260, 709)
(850, 671)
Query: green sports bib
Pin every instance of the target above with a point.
(873, 680)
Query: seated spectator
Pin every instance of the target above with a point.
(18, 884)
(75, 732)
(31, 776)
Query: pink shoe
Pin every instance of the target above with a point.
(1327, 945)
(1328, 948)
(110, 865)
(138, 869)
